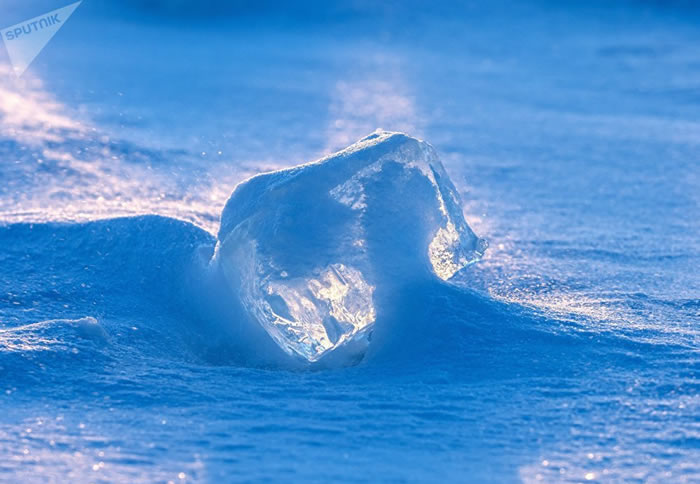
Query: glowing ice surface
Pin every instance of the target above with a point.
(307, 249)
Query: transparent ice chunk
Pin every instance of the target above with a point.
(309, 250)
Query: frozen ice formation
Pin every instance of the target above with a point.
(311, 250)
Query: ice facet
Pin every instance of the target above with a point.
(307, 250)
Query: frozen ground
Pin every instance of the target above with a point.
(570, 353)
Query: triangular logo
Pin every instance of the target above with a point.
(25, 40)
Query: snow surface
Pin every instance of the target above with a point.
(568, 353)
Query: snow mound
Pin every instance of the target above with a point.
(53, 335)
(310, 251)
